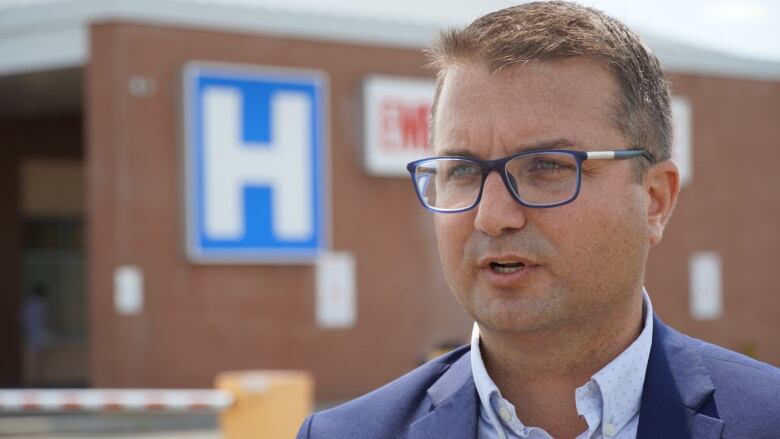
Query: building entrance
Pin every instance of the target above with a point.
(53, 311)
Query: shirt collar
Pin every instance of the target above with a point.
(619, 383)
(485, 385)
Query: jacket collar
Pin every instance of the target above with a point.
(677, 394)
(454, 408)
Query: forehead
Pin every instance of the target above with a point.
(537, 102)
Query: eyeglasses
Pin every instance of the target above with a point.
(536, 178)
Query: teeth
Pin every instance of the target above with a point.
(506, 268)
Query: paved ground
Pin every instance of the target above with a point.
(114, 426)
(189, 434)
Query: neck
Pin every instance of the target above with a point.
(538, 371)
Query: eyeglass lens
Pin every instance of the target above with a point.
(539, 179)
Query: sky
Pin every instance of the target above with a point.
(749, 28)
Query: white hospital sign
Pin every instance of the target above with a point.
(255, 163)
(396, 127)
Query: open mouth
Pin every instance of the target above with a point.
(506, 267)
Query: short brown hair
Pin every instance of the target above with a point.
(541, 31)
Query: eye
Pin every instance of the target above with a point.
(463, 170)
(546, 165)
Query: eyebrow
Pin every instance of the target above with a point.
(561, 143)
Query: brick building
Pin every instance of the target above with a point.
(94, 196)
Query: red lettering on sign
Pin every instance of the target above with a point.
(403, 125)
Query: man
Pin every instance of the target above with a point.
(551, 182)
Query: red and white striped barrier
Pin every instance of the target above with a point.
(251, 404)
(106, 400)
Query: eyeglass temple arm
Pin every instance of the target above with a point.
(619, 155)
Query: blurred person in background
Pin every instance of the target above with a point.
(34, 318)
(551, 182)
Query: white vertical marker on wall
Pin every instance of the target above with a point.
(706, 286)
(682, 148)
(128, 290)
(335, 295)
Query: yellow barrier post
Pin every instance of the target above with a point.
(268, 404)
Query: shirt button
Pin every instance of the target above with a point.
(504, 413)
(609, 429)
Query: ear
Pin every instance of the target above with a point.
(662, 185)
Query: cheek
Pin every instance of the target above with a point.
(602, 238)
(452, 233)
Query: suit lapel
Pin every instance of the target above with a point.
(454, 411)
(677, 394)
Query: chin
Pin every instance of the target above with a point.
(516, 315)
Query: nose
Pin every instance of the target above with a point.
(498, 211)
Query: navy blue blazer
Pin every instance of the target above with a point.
(692, 389)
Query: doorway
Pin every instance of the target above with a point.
(55, 302)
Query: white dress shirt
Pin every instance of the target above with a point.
(609, 402)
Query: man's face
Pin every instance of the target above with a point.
(577, 262)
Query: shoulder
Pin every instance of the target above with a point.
(745, 390)
(734, 365)
(384, 412)
(730, 369)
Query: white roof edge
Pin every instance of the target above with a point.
(50, 49)
(716, 64)
(57, 30)
(678, 57)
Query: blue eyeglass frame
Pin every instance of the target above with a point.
(499, 165)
